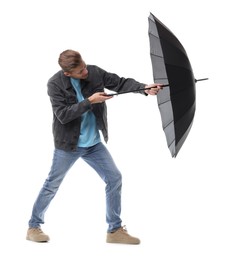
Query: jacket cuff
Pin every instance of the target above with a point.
(87, 104)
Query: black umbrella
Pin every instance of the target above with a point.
(172, 68)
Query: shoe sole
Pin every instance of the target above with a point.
(38, 241)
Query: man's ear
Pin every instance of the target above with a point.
(66, 73)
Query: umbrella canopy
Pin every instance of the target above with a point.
(171, 67)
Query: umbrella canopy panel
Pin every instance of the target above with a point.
(171, 66)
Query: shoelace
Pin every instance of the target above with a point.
(37, 229)
(124, 228)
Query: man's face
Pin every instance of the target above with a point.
(79, 72)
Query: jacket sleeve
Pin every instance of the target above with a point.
(66, 108)
(115, 83)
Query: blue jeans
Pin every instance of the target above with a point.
(101, 161)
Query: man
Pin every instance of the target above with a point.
(79, 111)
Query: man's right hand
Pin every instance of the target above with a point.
(99, 97)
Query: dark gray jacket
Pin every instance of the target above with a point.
(67, 110)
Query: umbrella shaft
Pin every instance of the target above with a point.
(200, 79)
(141, 89)
(135, 90)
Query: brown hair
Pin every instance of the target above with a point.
(69, 60)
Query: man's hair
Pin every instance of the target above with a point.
(69, 60)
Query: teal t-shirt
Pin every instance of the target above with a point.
(89, 134)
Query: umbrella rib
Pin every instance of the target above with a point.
(155, 55)
(171, 143)
(162, 103)
(151, 34)
(168, 124)
(186, 109)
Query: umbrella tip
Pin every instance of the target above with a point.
(196, 80)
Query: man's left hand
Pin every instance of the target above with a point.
(153, 89)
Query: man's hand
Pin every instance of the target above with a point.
(99, 97)
(153, 89)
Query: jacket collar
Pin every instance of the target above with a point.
(66, 81)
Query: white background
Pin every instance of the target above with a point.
(180, 208)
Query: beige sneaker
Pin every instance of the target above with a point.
(37, 235)
(121, 236)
